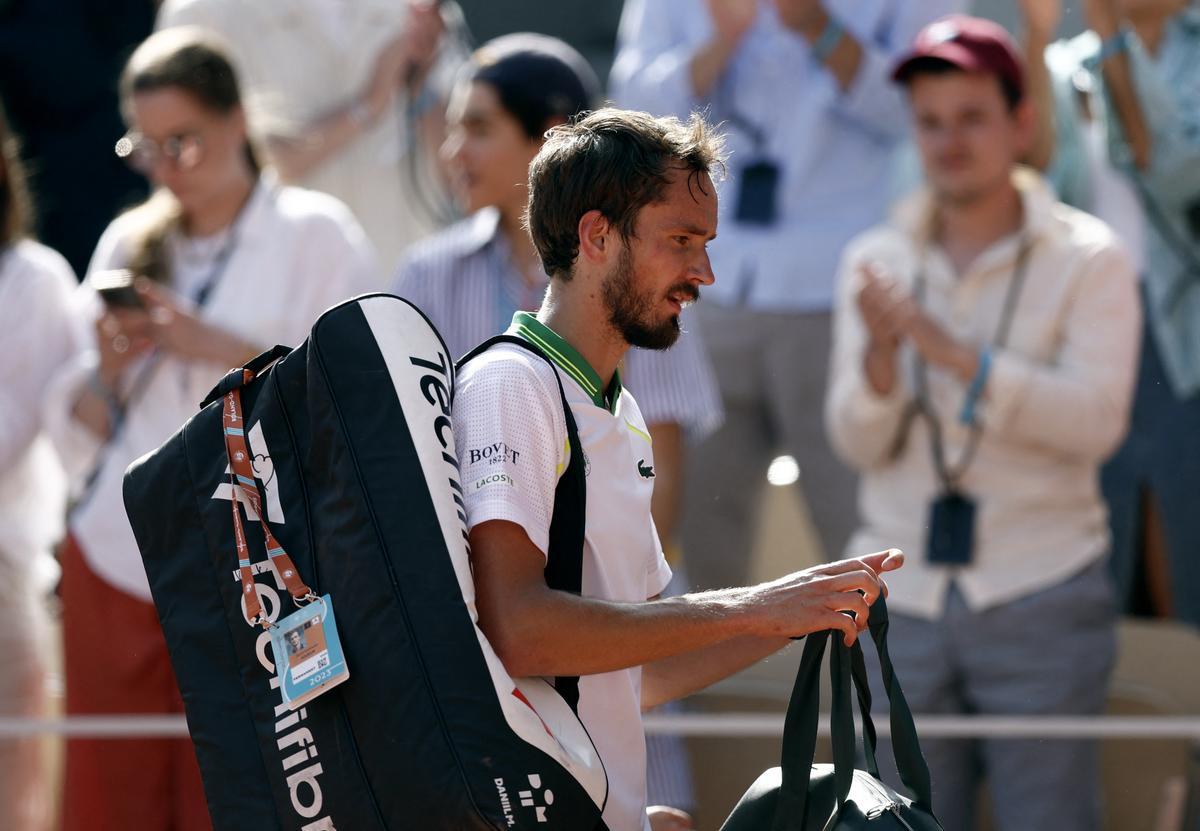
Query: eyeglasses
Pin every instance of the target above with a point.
(184, 151)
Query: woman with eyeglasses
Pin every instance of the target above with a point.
(37, 335)
(218, 264)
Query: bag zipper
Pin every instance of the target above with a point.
(889, 805)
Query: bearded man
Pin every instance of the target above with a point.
(621, 210)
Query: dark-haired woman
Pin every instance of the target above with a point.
(226, 263)
(36, 337)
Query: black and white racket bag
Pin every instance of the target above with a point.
(354, 468)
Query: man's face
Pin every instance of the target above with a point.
(294, 639)
(487, 150)
(663, 264)
(968, 136)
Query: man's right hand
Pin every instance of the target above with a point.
(818, 598)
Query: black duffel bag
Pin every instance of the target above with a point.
(355, 475)
(801, 796)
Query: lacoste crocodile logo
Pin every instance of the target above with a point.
(647, 471)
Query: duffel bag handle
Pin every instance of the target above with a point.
(847, 670)
(800, 737)
(237, 377)
(906, 747)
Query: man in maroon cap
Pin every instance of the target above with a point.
(984, 349)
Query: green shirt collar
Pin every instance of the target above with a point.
(567, 359)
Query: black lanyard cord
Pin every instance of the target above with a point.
(951, 476)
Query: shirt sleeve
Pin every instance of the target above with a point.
(510, 435)
(652, 68)
(1079, 405)
(340, 264)
(1173, 117)
(36, 338)
(862, 425)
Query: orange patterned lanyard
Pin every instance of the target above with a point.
(241, 477)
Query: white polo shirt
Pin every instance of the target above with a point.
(511, 436)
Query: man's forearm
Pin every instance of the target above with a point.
(563, 634)
(845, 58)
(708, 64)
(879, 367)
(1039, 83)
(296, 158)
(537, 630)
(681, 675)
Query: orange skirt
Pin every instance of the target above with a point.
(116, 662)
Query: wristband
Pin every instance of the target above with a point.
(967, 416)
(830, 37)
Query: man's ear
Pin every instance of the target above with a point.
(596, 235)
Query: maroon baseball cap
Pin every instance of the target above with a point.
(971, 44)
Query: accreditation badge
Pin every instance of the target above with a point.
(308, 652)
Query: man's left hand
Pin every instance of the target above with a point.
(939, 348)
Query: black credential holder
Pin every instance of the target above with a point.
(847, 667)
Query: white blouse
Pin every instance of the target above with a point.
(294, 254)
(37, 336)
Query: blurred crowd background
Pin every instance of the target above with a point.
(253, 163)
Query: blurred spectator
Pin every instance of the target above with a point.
(344, 95)
(36, 337)
(811, 120)
(473, 276)
(984, 355)
(59, 64)
(227, 264)
(1123, 142)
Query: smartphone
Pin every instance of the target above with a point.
(116, 289)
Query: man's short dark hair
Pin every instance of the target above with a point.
(612, 161)
(938, 66)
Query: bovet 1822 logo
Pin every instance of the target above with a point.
(496, 453)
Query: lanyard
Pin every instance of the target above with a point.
(951, 476)
(241, 479)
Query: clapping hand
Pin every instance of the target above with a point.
(732, 18)
(891, 316)
(886, 308)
